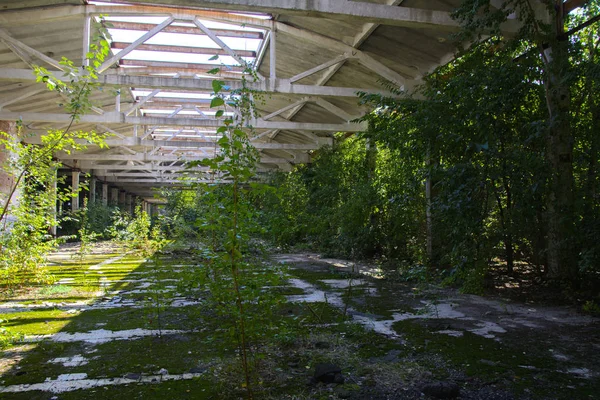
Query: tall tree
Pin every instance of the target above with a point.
(543, 27)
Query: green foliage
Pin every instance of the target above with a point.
(119, 224)
(8, 337)
(100, 219)
(24, 238)
(220, 219)
(86, 237)
(281, 209)
(479, 129)
(591, 307)
(353, 201)
(136, 232)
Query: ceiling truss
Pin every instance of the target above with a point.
(159, 116)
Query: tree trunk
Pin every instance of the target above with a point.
(559, 150)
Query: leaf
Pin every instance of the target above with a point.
(213, 58)
(219, 113)
(217, 85)
(213, 71)
(216, 102)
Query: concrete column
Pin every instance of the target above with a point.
(105, 194)
(114, 196)
(54, 190)
(75, 188)
(129, 203)
(7, 180)
(92, 189)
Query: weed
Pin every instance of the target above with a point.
(7, 336)
(591, 307)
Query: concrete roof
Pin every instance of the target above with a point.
(314, 57)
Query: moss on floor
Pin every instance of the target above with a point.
(287, 345)
(37, 322)
(198, 388)
(521, 366)
(117, 319)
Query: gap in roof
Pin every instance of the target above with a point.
(157, 61)
(164, 93)
(193, 39)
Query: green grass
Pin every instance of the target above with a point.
(55, 290)
(37, 322)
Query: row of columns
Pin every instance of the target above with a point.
(118, 197)
(126, 201)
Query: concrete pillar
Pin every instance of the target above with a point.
(92, 190)
(114, 196)
(105, 194)
(54, 190)
(7, 180)
(75, 188)
(129, 203)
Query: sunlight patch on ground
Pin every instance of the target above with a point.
(71, 382)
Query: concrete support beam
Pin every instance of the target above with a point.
(345, 10)
(129, 203)
(281, 86)
(120, 118)
(75, 189)
(114, 196)
(93, 189)
(132, 26)
(148, 35)
(105, 194)
(190, 144)
(142, 157)
(53, 211)
(122, 198)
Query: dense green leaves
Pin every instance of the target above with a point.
(482, 131)
(24, 235)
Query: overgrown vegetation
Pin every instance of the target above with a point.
(24, 235)
(219, 218)
(479, 167)
(435, 188)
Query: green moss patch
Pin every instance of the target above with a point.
(514, 360)
(37, 322)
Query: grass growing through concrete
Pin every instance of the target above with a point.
(96, 334)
